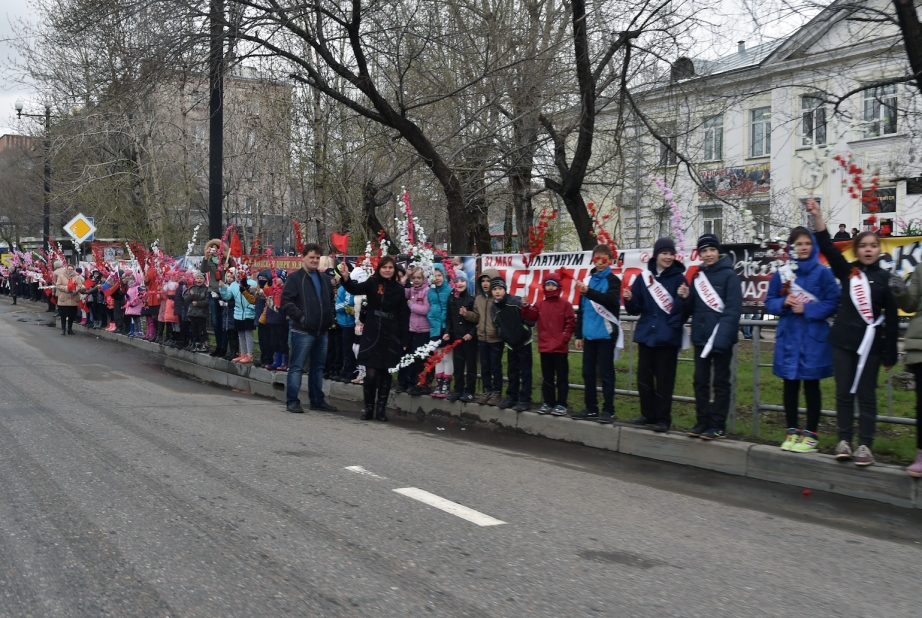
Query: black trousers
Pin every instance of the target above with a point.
(491, 366)
(198, 329)
(266, 349)
(845, 365)
(349, 362)
(916, 370)
(555, 378)
(792, 400)
(712, 415)
(656, 374)
(519, 363)
(599, 362)
(465, 357)
(67, 317)
(279, 333)
(334, 352)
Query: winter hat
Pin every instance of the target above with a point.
(708, 240)
(663, 244)
(497, 282)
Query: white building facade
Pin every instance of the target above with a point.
(758, 131)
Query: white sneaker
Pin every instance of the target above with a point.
(863, 456)
(843, 450)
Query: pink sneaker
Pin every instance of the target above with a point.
(916, 468)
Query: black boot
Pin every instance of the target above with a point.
(233, 348)
(369, 386)
(384, 391)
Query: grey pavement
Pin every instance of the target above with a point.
(128, 491)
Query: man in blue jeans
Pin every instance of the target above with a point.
(307, 300)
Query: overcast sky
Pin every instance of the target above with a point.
(10, 12)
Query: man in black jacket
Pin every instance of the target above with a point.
(306, 301)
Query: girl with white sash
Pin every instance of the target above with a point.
(804, 293)
(863, 336)
(657, 296)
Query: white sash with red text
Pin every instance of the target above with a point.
(860, 292)
(664, 301)
(713, 300)
(797, 292)
(610, 317)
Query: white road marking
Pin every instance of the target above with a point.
(363, 471)
(448, 506)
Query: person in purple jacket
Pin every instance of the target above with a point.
(417, 293)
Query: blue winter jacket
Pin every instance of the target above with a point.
(802, 349)
(243, 309)
(344, 299)
(656, 328)
(605, 289)
(438, 306)
(727, 285)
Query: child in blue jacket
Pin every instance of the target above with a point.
(804, 293)
(345, 317)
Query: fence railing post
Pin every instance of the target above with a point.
(756, 402)
(732, 424)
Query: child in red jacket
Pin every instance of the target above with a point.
(556, 323)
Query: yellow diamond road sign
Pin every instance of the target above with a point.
(80, 228)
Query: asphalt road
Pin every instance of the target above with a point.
(128, 491)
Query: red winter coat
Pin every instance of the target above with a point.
(556, 322)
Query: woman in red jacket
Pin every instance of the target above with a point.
(556, 323)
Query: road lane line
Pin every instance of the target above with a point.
(448, 506)
(363, 471)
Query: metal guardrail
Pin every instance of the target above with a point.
(757, 406)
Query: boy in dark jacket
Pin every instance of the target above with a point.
(506, 315)
(715, 303)
(462, 324)
(196, 298)
(488, 342)
(657, 296)
(597, 334)
(556, 322)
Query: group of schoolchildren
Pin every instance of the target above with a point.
(394, 313)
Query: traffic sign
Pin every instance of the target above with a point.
(80, 228)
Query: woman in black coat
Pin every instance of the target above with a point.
(386, 333)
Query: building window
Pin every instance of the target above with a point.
(813, 121)
(761, 217)
(199, 133)
(712, 218)
(878, 111)
(761, 132)
(249, 205)
(713, 138)
(667, 154)
(251, 139)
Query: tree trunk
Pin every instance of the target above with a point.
(370, 205)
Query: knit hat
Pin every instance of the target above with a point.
(708, 240)
(497, 282)
(663, 244)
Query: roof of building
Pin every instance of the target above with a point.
(749, 57)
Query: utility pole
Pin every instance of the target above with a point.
(216, 121)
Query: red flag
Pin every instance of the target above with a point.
(236, 250)
(341, 242)
(299, 241)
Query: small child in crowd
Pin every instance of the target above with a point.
(489, 343)
(418, 299)
(462, 324)
(597, 333)
(556, 322)
(716, 303)
(516, 335)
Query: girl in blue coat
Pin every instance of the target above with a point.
(243, 293)
(439, 291)
(804, 293)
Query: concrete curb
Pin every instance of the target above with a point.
(882, 483)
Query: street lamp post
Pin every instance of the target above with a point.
(46, 153)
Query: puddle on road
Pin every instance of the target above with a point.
(621, 557)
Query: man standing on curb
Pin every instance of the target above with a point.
(307, 299)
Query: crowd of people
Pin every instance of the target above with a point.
(380, 323)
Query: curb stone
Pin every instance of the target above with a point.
(882, 483)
